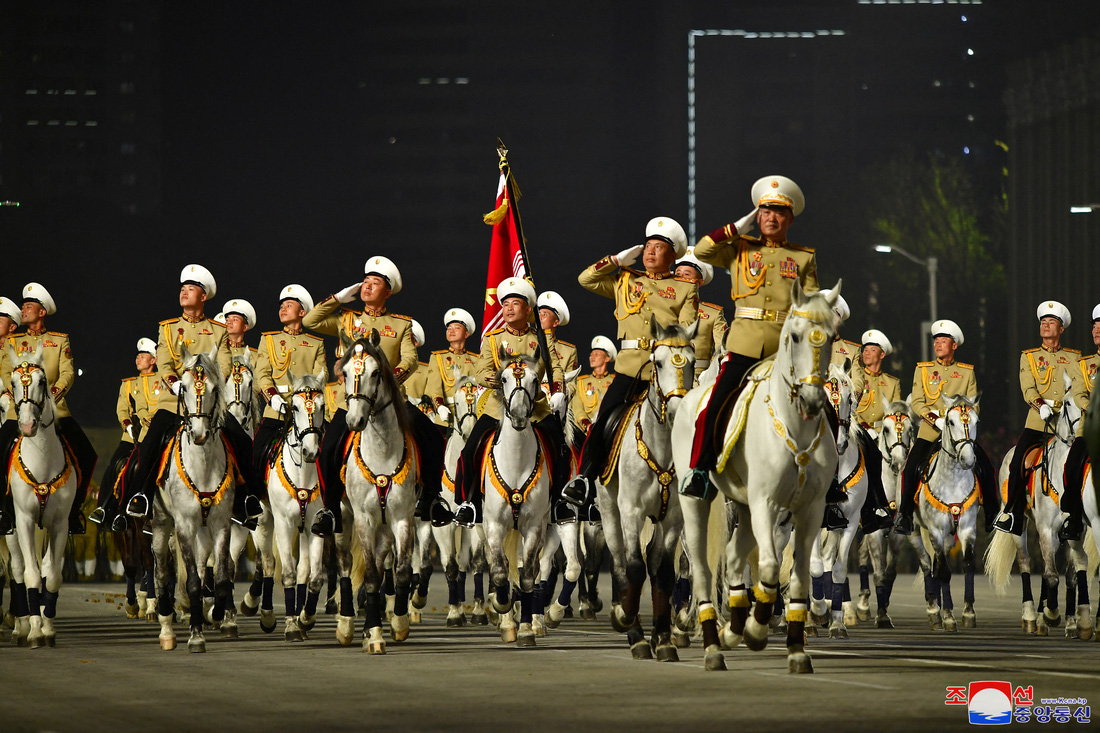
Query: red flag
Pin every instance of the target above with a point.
(505, 254)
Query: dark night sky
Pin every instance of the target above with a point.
(266, 177)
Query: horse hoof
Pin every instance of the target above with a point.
(1042, 630)
(714, 660)
(526, 640)
(480, 619)
(538, 626)
(935, 621)
(863, 606)
(51, 640)
(345, 630)
(306, 623)
(810, 630)
(508, 634)
(418, 601)
(331, 609)
(800, 663)
(249, 609)
(1084, 633)
(230, 631)
(36, 642)
(132, 610)
(727, 638)
(167, 643)
(1029, 626)
(196, 645)
(9, 620)
(680, 639)
(619, 622)
(399, 628)
(641, 650)
(838, 632)
(267, 621)
(667, 653)
(883, 621)
(949, 625)
(1054, 621)
(756, 635)
(969, 621)
(415, 617)
(292, 634)
(374, 643)
(587, 613)
(555, 614)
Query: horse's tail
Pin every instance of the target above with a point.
(927, 542)
(1091, 552)
(718, 531)
(787, 564)
(644, 538)
(358, 564)
(511, 554)
(1000, 554)
(181, 573)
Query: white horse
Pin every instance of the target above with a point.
(294, 497)
(1044, 486)
(852, 475)
(644, 487)
(1084, 557)
(782, 464)
(947, 504)
(381, 476)
(195, 499)
(516, 483)
(881, 549)
(242, 400)
(43, 478)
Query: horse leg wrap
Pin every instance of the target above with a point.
(778, 605)
(550, 583)
(526, 606)
(882, 596)
(968, 588)
(818, 587)
(539, 599)
(931, 588)
(545, 591)
(864, 578)
(347, 608)
(1025, 580)
(838, 596)
(662, 612)
(503, 592)
(387, 582)
(762, 612)
(267, 590)
(291, 600)
(945, 589)
(311, 602)
(796, 633)
(222, 594)
(479, 586)
(827, 581)
(708, 622)
(847, 591)
(582, 586)
(452, 592)
(34, 599)
(196, 609)
(401, 602)
(425, 578)
(334, 581)
(208, 582)
(361, 597)
(131, 590)
(165, 603)
(461, 586)
(149, 584)
(566, 594)
(300, 598)
(629, 600)
(257, 585)
(373, 608)
(1082, 588)
(1052, 596)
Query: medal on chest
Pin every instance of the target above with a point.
(935, 378)
(755, 265)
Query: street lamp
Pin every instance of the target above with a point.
(1084, 208)
(930, 264)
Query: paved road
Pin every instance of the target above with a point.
(108, 673)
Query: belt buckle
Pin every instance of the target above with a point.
(644, 343)
(770, 315)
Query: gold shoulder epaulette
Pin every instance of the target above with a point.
(852, 343)
(964, 366)
(747, 237)
(58, 333)
(1072, 351)
(170, 320)
(684, 280)
(566, 343)
(925, 363)
(440, 351)
(1086, 358)
(216, 322)
(495, 331)
(1028, 351)
(270, 333)
(711, 305)
(799, 247)
(253, 349)
(128, 379)
(422, 363)
(398, 315)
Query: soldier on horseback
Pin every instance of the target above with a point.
(517, 337)
(932, 382)
(1084, 381)
(60, 374)
(381, 279)
(1041, 372)
(642, 298)
(711, 335)
(439, 388)
(10, 320)
(762, 270)
(198, 334)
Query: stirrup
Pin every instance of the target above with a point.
(594, 516)
(98, 516)
(697, 484)
(576, 491)
(466, 515)
(1072, 530)
(1007, 523)
(118, 524)
(252, 507)
(834, 519)
(563, 513)
(903, 525)
(439, 514)
(138, 508)
(324, 525)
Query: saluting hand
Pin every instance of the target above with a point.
(348, 294)
(627, 257)
(744, 224)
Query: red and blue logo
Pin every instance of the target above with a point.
(990, 703)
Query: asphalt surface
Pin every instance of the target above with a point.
(108, 673)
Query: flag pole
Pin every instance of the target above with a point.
(506, 169)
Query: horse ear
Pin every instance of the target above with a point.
(977, 397)
(246, 358)
(1067, 381)
(656, 330)
(375, 337)
(184, 354)
(345, 342)
(13, 355)
(212, 355)
(502, 355)
(39, 351)
(847, 365)
(692, 330)
(798, 296)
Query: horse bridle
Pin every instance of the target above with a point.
(469, 393)
(964, 418)
(26, 371)
(832, 389)
(817, 338)
(198, 374)
(519, 370)
(358, 361)
(899, 418)
(236, 376)
(313, 404)
(679, 363)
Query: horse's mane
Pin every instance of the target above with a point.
(390, 384)
(213, 371)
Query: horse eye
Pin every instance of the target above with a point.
(796, 337)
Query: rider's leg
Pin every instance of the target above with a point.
(430, 442)
(1072, 478)
(875, 513)
(9, 431)
(987, 484)
(549, 428)
(140, 477)
(704, 452)
(468, 473)
(622, 389)
(246, 503)
(918, 456)
(106, 502)
(329, 463)
(1012, 518)
(86, 458)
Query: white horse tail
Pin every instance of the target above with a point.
(181, 572)
(927, 542)
(1091, 552)
(999, 557)
(787, 565)
(277, 573)
(358, 563)
(718, 531)
(511, 553)
(648, 528)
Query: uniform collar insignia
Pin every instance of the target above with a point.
(773, 244)
(514, 332)
(453, 350)
(941, 362)
(190, 319)
(1049, 350)
(658, 275)
(292, 331)
(374, 312)
(32, 332)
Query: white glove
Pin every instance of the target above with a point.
(5, 403)
(627, 257)
(1045, 412)
(131, 430)
(558, 404)
(174, 387)
(940, 423)
(745, 223)
(348, 294)
(443, 413)
(873, 433)
(278, 404)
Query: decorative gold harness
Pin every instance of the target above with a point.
(207, 499)
(664, 475)
(383, 482)
(302, 495)
(514, 496)
(955, 510)
(43, 490)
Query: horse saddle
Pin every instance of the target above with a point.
(616, 434)
(734, 412)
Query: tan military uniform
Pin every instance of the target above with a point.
(1041, 379)
(240, 351)
(1084, 379)
(440, 386)
(565, 351)
(415, 388)
(396, 342)
(846, 350)
(283, 356)
(145, 389)
(761, 273)
(639, 299)
(513, 343)
(57, 360)
(934, 380)
(198, 336)
(877, 391)
(710, 336)
(335, 399)
(587, 398)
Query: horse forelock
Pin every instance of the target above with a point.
(390, 387)
(213, 373)
(528, 361)
(817, 309)
(308, 382)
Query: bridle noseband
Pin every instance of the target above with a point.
(313, 404)
(198, 375)
(357, 360)
(519, 371)
(25, 372)
(964, 418)
(679, 362)
(817, 338)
